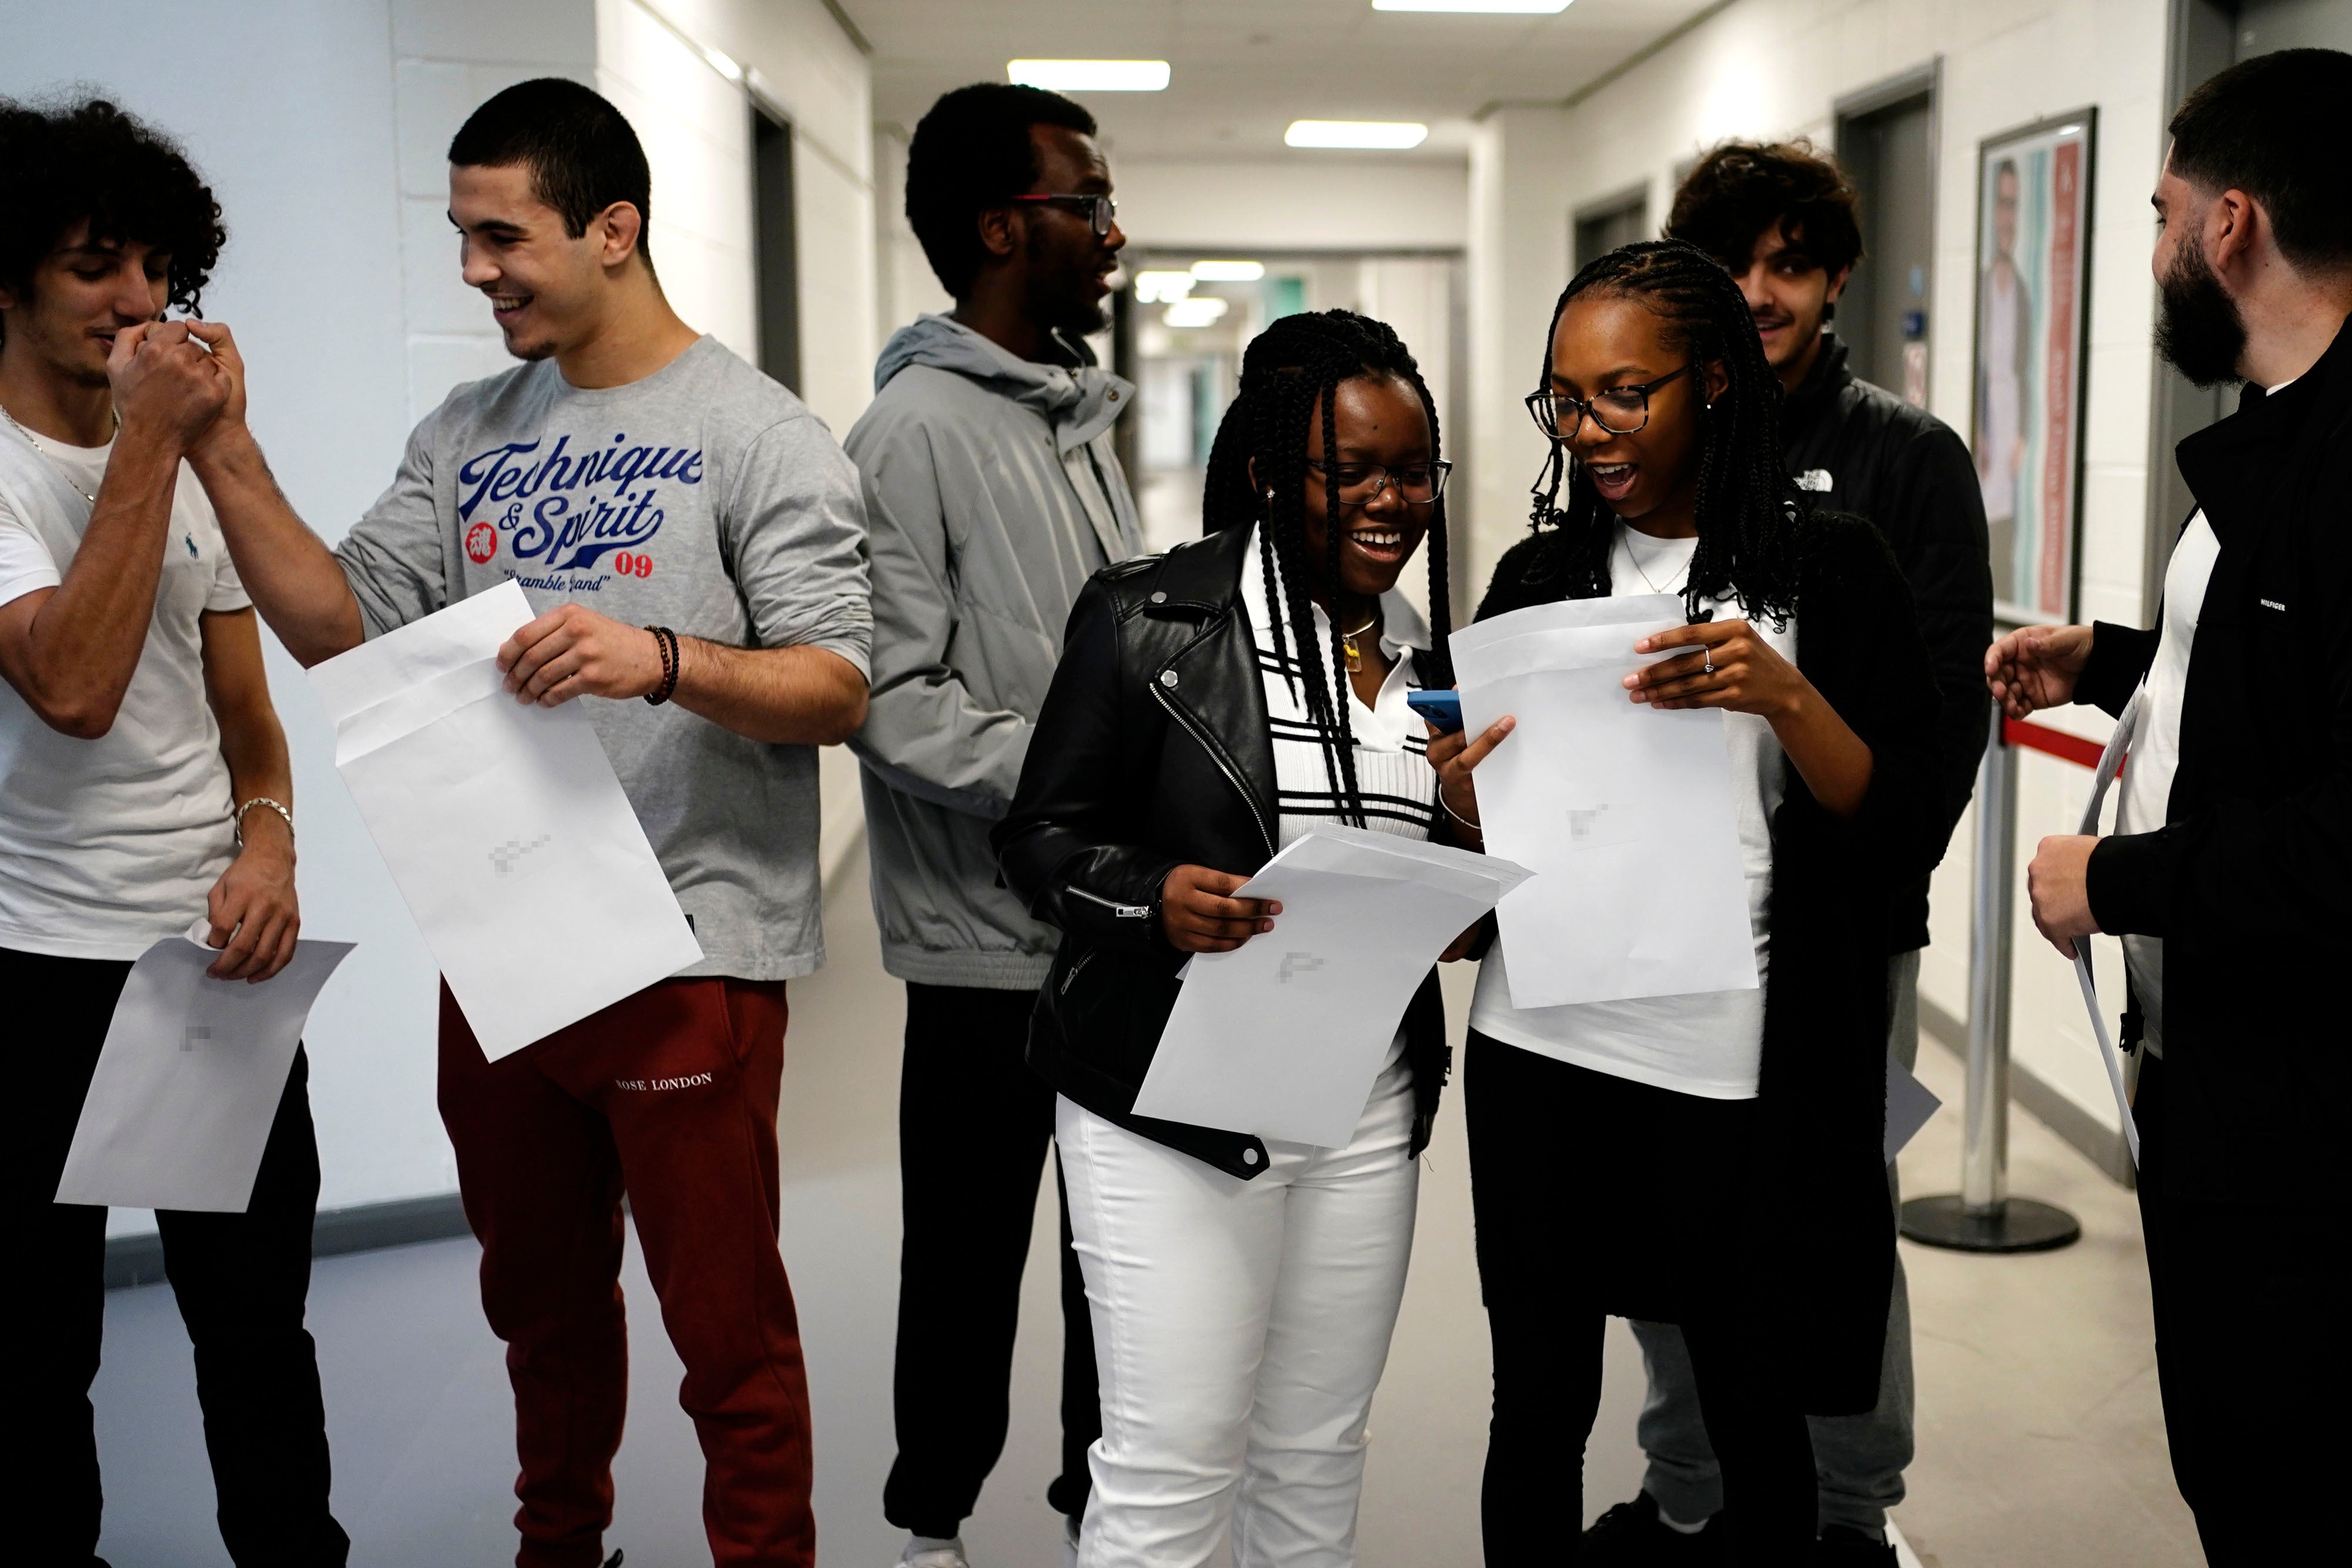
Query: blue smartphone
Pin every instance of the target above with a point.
(1442, 709)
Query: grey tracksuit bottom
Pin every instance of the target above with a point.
(1860, 1460)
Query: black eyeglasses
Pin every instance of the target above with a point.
(1558, 415)
(1099, 211)
(1360, 484)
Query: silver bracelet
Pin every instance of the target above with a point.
(281, 810)
(1458, 816)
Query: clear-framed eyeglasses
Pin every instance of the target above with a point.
(1618, 410)
(1100, 211)
(1360, 484)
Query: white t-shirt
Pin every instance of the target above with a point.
(2143, 793)
(107, 845)
(1710, 1044)
(2145, 789)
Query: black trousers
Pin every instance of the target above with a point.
(1587, 1191)
(974, 1124)
(240, 1280)
(2224, 1277)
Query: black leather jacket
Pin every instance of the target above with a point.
(1152, 752)
(1866, 452)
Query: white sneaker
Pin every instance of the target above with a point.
(947, 1555)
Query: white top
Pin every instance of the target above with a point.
(2146, 788)
(107, 845)
(2143, 793)
(1394, 778)
(1710, 1044)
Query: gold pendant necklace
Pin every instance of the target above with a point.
(1355, 658)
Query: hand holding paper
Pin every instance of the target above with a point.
(1283, 1035)
(504, 826)
(188, 1082)
(1625, 813)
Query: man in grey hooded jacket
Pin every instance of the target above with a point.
(993, 493)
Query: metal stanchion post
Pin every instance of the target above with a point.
(1983, 1217)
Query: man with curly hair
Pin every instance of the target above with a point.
(143, 786)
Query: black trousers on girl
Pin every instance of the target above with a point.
(1595, 1196)
(240, 1280)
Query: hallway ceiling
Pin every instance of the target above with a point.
(1244, 69)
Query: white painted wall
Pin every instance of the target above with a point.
(340, 279)
(1777, 67)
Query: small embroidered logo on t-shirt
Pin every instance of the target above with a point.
(2274, 604)
(190, 540)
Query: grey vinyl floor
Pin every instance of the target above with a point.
(2040, 1439)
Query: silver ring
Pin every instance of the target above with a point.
(1709, 668)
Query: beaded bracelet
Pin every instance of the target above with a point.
(665, 643)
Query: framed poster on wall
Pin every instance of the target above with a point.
(2033, 272)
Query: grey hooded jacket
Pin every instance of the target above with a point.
(992, 495)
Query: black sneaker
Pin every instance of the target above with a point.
(1632, 1535)
(1842, 1546)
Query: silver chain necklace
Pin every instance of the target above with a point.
(52, 457)
(1646, 576)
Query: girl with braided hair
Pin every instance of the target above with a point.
(1211, 705)
(1712, 1160)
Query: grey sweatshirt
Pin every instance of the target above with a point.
(992, 493)
(704, 497)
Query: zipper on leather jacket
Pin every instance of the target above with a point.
(1073, 973)
(1217, 755)
(1119, 911)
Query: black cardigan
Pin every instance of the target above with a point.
(2249, 882)
(1152, 751)
(1817, 1210)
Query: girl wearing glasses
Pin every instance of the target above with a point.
(1211, 705)
(1712, 1160)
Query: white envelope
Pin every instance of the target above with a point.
(189, 1079)
(504, 827)
(1625, 813)
(1283, 1036)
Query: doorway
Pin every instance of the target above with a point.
(1886, 141)
(776, 259)
(1602, 226)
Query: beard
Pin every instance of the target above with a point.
(2200, 332)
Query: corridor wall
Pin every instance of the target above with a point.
(323, 131)
(1779, 68)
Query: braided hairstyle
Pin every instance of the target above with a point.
(1288, 371)
(1750, 515)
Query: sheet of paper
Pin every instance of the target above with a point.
(1909, 1105)
(189, 1079)
(1284, 1036)
(503, 825)
(1625, 813)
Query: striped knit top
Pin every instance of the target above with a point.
(1393, 772)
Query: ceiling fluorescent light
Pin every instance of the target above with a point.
(1375, 133)
(1156, 288)
(1500, 7)
(1200, 311)
(1228, 271)
(1089, 76)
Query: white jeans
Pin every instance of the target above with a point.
(1240, 1327)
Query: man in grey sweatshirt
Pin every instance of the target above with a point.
(991, 493)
